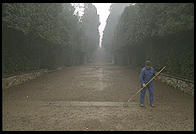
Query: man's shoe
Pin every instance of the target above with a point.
(152, 105)
(141, 105)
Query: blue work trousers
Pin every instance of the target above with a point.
(143, 92)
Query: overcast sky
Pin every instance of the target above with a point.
(102, 10)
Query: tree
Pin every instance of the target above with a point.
(116, 10)
(154, 30)
(90, 24)
(49, 36)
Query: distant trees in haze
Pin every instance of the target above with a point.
(162, 32)
(90, 24)
(116, 10)
(45, 35)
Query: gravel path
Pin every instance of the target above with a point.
(40, 104)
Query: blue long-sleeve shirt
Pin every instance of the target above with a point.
(146, 75)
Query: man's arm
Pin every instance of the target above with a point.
(154, 73)
(141, 76)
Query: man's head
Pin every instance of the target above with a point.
(148, 64)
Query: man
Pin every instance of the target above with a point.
(146, 74)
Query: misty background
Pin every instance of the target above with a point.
(40, 35)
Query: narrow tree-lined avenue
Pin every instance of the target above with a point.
(85, 86)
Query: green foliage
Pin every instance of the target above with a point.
(116, 10)
(90, 24)
(45, 35)
(159, 31)
(44, 20)
(111, 23)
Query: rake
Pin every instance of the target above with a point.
(126, 104)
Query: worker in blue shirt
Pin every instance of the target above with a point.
(145, 75)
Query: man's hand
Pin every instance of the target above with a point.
(144, 85)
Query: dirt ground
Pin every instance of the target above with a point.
(39, 104)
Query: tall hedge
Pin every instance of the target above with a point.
(162, 32)
(43, 35)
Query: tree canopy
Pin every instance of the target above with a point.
(151, 31)
(66, 40)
